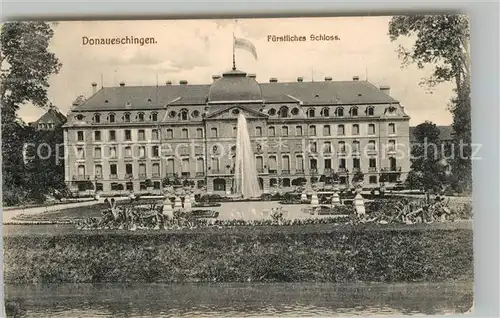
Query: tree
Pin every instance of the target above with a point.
(79, 100)
(427, 170)
(443, 41)
(358, 178)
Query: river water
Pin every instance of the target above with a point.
(238, 299)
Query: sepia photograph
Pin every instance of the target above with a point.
(261, 167)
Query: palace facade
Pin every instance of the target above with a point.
(131, 138)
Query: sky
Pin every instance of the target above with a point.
(194, 50)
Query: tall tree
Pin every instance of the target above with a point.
(26, 65)
(443, 42)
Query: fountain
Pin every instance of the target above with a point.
(245, 170)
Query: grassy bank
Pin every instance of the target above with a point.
(332, 254)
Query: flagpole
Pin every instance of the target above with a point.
(234, 56)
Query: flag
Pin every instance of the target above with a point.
(246, 45)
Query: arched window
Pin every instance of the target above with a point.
(325, 112)
(111, 118)
(283, 113)
(154, 116)
(310, 112)
(140, 117)
(354, 111)
(340, 112)
(97, 118)
(370, 111)
(126, 117)
(183, 114)
(271, 112)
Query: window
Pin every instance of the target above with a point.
(313, 146)
(259, 163)
(80, 154)
(295, 111)
(342, 147)
(142, 170)
(283, 112)
(199, 132)
(258, 131)
(185, 133)
(112, 152)
(300, 162)
(326, 130)
(370, 111)
(97, 135)
(156, 185)
(200, 165)
(154, 116)
(312, 130)
(392, 145)
(170, 166)
(128, 170)
(325, 112)
(355, 129)
(141, 134)
(273, 164)
(310, 112)
(81, 170)
(172, 114)
(285, 164)
(313, 164)
(97, 152)
(356, 163)
(140, 117)
(156, 169)
(371, 129)
(128, 135)
(340, 130)
(372, 179)
(128, 152)
(272, 112)
(170, 133)
(298, 131)
(340, 112)
(219, 185)
(97, 118)
(371, 145)
(111, 118)
(112, 169)
(215, 165)
(99, 186)
(154, 134)
(142, 152)
(327, 146)
(79, 135)
(372, 162)
(355, 146)
(342, 164)
(195, 113)
(112, 135)
(129, 186)
(392, 164)
(354, 111)
(328, 164)
(156, 151)
(126, 117)
(183, 114)
(213, 132)
(271, 131)
(392, 128)
(284, 131)
(98, 171)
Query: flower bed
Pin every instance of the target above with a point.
(314, 253)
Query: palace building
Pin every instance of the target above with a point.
(131, 138)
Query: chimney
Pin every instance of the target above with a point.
(386, 89)
(355, 78)
(215, 77)
(254, 76)
(122, 84)
(168, 83)
(94, 88)
(183, 82)
(273, 80)
(328, 79)
(300, 79)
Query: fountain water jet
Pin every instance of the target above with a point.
(245, 170)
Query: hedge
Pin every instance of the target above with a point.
(332, 254)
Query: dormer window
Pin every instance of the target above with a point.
(183, 114)
(126, 117)
(283, 113)
(340, 112)
(111, 118)
(271, 112)
(354, 111)
(154, 116)
(310, 112)
(79, 117)
(97, 118)
(235, 111)
(172, 114)
(195, 114)
(295, 111)
(325, 112)
(140, 117)
(370, 111)
(149, 100)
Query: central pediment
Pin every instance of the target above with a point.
(233, 111)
